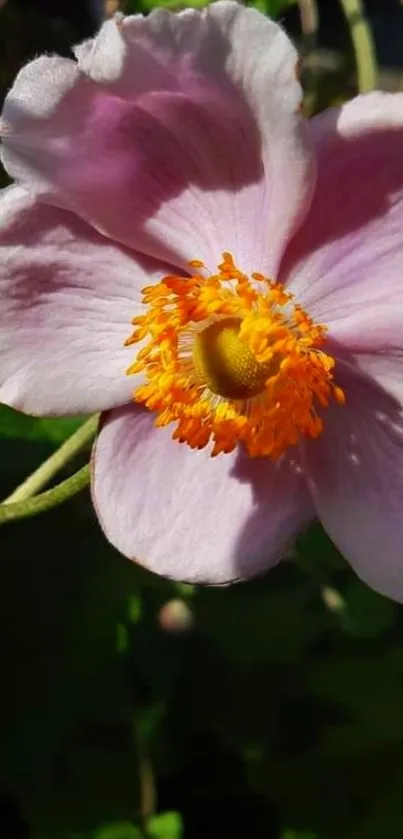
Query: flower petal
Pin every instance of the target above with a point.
(345, 264)
(178, 135)
(186, 515)
(67, 298)
(355, 473)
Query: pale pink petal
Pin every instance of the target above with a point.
(345, 264)
(355, 472)
(67, 296)
(178, 135)
(186, 515)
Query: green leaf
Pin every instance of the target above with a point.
(118, 830)
(317, 553)
(268, 7)
(273, 7)
(134, 609)
(165, 826)
(367, 614)
(14, 425)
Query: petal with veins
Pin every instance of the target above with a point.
(355, 471)
(186, 515)
(67, 298)
(345, 264)
(176, 134)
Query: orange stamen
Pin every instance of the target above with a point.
(232, 360)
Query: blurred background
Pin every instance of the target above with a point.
(132, 708)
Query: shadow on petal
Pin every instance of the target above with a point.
(281, 497)
(360, 177)
(119, 161)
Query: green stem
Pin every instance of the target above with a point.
(55, 462)
(361, 35)
(147, 789)
(308, 12)
(309, 17)
(51, 498)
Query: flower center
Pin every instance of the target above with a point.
(226, 364)
(232, 360)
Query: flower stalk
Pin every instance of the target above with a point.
(51, 498)
(46, 471)
(364, 49)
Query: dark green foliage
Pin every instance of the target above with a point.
(276, 714)
(279, 714)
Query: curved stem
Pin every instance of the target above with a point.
(361, 35)
(51, 498)
(147, 792)
(147, 789)
(55, 462)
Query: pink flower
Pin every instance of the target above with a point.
(178, 139)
